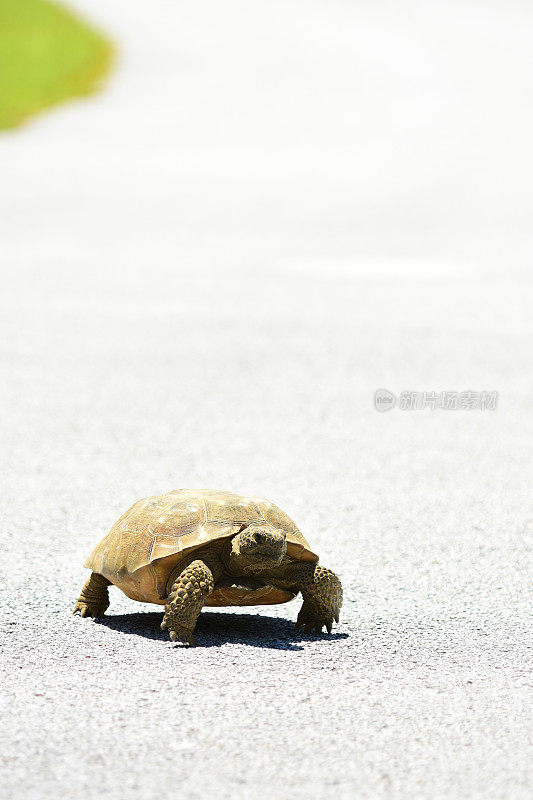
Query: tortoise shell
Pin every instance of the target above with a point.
(146, 544)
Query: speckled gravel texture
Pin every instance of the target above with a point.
(164, 324)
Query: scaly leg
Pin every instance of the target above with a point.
(321, 591)
(322, 594)
(186, 599)
(94, 597)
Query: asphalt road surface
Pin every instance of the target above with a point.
(207, 271)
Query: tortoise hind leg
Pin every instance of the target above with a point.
(94, 597)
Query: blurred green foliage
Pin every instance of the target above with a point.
(47, 55)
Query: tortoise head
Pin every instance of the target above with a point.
(256, 548)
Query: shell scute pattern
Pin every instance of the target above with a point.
(274, 515)
(178, 518)
(227, 508)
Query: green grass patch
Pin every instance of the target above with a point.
(47, 55)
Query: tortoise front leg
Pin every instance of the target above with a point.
(322, 593)
(94, 597)
(186, 599)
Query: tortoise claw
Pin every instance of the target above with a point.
(178, 633)
(89, 610)
(313, 618)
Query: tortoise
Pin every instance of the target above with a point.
(189, 549)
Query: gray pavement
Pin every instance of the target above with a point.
(197, 290)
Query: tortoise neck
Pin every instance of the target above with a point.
(225, 555)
